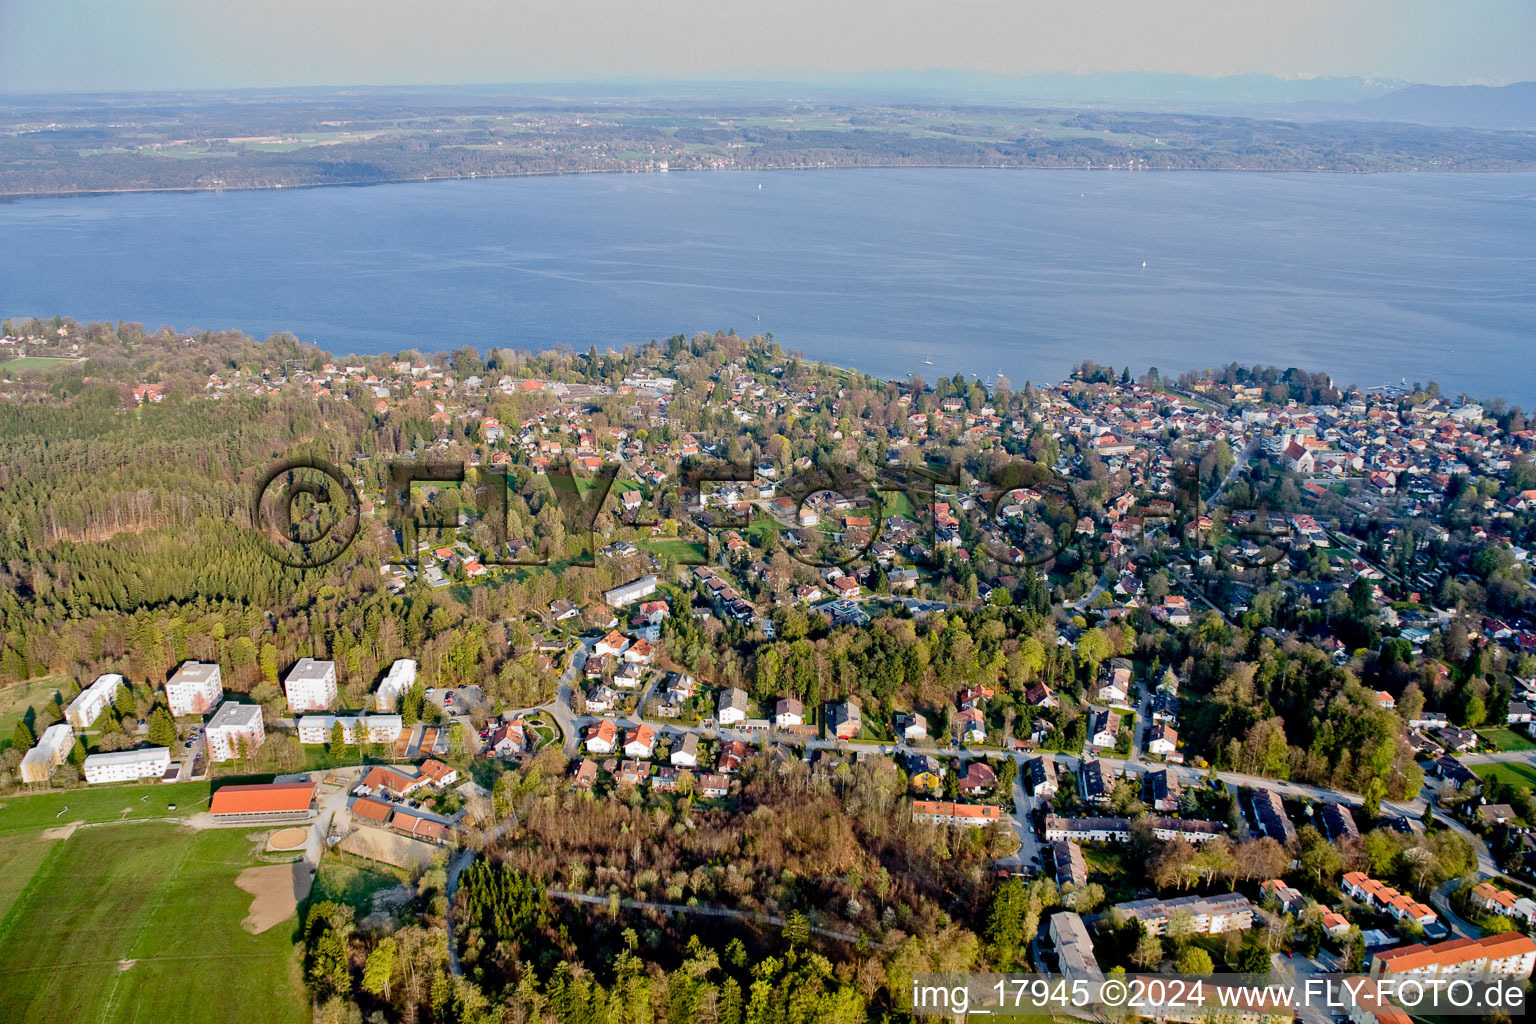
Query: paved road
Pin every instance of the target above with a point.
(1440, 899)
(1031, 851)
(1239, 464)
(1295, 971)
(1499, 757)
(456, 866)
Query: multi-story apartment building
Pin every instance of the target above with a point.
(1206, 915)
(92, 701)
(127, 765)
(234, 729)
(630, 592)
(1511, 956)
(1118, 830)
(400, 677)
(311, 685)
(52, 748)
(1074, 947)
(196, 688)
(1270, 811)
(375, 728)
(1087, 830)
(943, 812)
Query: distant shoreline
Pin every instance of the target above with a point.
(434, 179)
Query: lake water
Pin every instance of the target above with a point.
(1371, 278)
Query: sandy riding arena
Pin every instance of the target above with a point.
(277, 890)
(287, 839)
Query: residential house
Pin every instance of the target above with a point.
(1040, 696)
(1161, 791)
(686, 753)
(585, 776)
(1087, 830)
(978, 778)
(391, 782)
(1162, 740)
(845, 719)
(1069, 864)
(1103, 729)
(1115, 685)
(924, 772)
(1042, 776)
(1074, 946)
(1093, 782)
(1360, 886)
(731, 708)
(507, 740)
(788, 713)
(1286, 898)
(439, 775)
(640, 742)
(602, 738)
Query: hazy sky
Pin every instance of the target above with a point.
(70, 45)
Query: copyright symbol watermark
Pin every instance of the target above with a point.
(306, 512)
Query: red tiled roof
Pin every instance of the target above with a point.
(371, 809)
(271, 798)
(1456, 951)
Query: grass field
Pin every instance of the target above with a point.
(686, 552)
(23, 363)
(1513, 773)
(34, 693)
(1506, 739)
(142, 922)
(353, 881)
(24, 854)
(20, 814)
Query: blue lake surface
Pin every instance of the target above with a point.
(1371, 278)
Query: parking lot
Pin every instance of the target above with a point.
(460, 700)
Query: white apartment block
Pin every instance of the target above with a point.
(311, 685)
(233, 729)
(1206, 915)
(195, 689)
(93, 700)
(52, 748)
(127, 765)
(400, 677)
(315, 729)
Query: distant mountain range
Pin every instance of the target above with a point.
(1273, 97)
(1462, 106)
